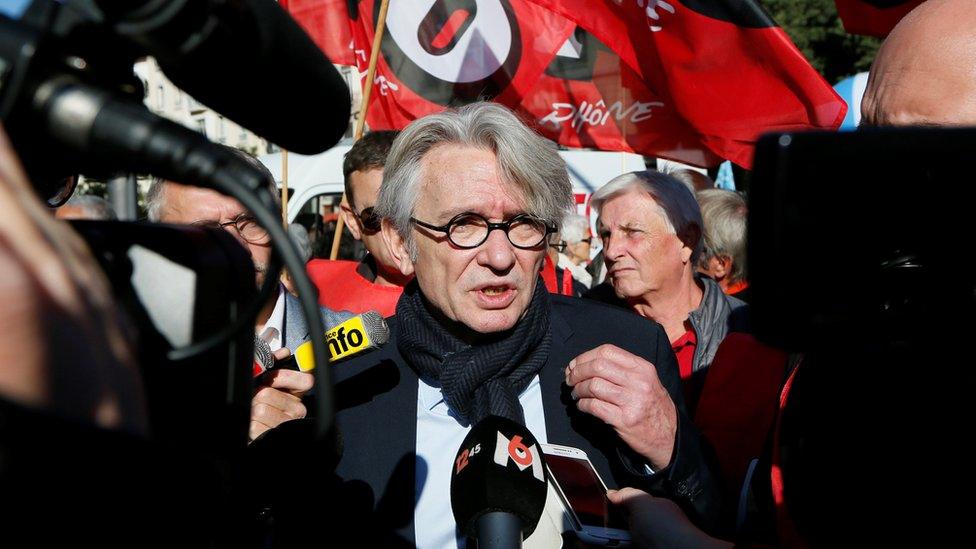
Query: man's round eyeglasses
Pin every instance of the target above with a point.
(246, 225)
(370, 220)
(469, 230)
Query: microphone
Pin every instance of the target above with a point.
(263, 358)
(498, 484)
(248, 60)
(355, 336)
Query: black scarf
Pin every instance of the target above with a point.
(481, 379)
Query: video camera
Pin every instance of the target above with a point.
(71, 104)
(858, 262)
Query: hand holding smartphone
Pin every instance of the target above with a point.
(584, 496)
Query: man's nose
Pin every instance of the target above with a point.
(613, 246)
(497, 252)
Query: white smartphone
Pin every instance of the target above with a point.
(584, 495)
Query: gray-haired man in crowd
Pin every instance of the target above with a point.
(651, 228)
(469, 199)
(280, 322)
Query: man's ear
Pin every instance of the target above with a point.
(690, 238)
(717, 267)
(723, 267)
(398, 248)
(350, 221)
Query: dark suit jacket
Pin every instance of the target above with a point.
(376, 405)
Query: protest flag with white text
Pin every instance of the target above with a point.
(722, 67)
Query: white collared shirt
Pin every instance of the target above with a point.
(439, 435)
(272, 330)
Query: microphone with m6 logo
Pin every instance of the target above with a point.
(498, 484)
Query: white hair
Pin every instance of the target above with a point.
(725, 214)
(675, 203)
(525, 160)
(575, 228)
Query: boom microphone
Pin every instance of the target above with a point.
(498, 484)
(350, 338)
(248, 60)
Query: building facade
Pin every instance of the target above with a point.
(165, 99)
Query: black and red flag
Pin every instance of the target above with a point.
(329, 23)
(588, 97)
(690, 80)
(723, 67)
(441, 53)
(873, 17)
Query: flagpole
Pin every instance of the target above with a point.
(284, 188)
(361, 116)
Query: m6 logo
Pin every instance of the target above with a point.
(462, 460)
(523, 456)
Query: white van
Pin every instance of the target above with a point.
(315, 182)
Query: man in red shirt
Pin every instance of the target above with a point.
(375, 283)
(651, 228)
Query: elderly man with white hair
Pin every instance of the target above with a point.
(470, 200)
(651, 228)
(576, 250)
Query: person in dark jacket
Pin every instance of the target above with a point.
(470, 200)
(651, 228)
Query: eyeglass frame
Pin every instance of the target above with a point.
(504, 226)
(559, 246)
(235, 222)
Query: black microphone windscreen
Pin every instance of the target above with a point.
(261, 70)
(498, 468)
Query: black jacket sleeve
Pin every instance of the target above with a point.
(692, 479)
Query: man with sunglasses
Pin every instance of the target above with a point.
(470, 200)
(374, 283)
(280, 321)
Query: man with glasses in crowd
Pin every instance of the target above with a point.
(280, 322)
(470, 200)
(374, 283)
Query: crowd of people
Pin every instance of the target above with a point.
(496, 306)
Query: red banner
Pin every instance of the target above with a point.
(722, 67)
(437, 54)
(329, 24)
(873, 17)
(590, 98)
(681, 80)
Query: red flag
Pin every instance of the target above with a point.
(873, 17)
(452, 52)
(724, 68)
(328, 23)
(590, 98)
